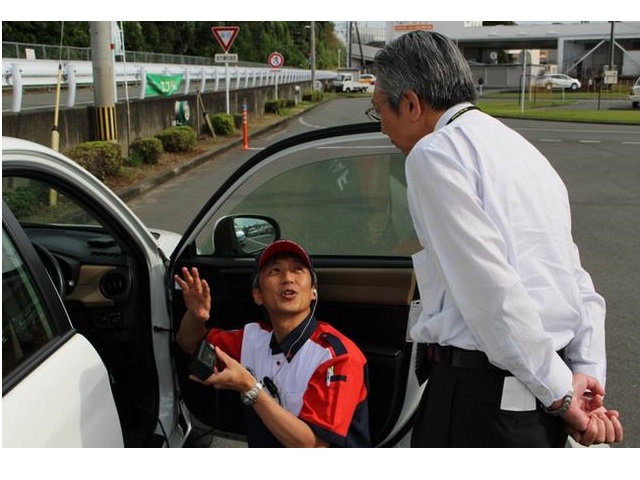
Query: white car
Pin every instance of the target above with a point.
(90, 309)
(368, 78)
(558, 81)
(634, 94)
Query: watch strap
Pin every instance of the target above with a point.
(566, 402)
(251, 396)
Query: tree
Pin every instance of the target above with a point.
(254, 43)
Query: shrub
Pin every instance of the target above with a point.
(313, 96)
(22, 200)
(101, 158)
(145, 150)
(223, 124)
(179, 138)
(272, 106)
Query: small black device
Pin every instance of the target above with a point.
(203, 360)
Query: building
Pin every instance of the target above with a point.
(580, 49)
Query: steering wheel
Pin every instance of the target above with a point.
(52, 266)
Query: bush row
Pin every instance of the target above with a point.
(104, 159)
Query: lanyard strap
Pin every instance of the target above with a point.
(461, 111)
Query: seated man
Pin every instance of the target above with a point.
(304, 383)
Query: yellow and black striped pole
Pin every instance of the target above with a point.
(105, 123)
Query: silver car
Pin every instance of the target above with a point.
(90, 309)
(558, 81)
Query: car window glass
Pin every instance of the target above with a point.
(36, 202)
(333, 205)
(25, 325)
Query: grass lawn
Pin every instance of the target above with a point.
(558, 106)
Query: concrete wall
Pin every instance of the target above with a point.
(146, 117)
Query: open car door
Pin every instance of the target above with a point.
(341, 193)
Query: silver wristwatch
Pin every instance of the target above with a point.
(250, 396)
(566, 402)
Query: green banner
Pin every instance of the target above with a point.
(165, 85)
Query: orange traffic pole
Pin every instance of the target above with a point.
(245, 133)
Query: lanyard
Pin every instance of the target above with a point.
(461, 111)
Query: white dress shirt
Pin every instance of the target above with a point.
(499, 271)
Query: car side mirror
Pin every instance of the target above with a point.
(244, 235)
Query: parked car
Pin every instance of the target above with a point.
(558, 81)
(90, 309)
(634, 94)
(368, 78)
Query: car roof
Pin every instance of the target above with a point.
(10, 143)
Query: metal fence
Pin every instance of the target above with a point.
(23, 51)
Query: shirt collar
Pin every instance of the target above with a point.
(446, 116)
(294, 340)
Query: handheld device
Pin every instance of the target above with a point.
(203, 360)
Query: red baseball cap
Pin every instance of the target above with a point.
(284, 246)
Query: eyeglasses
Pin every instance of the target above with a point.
(373, 113)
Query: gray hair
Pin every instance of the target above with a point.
(428, 63)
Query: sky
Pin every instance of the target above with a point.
(335, 10)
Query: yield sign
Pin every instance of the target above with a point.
(225, 36)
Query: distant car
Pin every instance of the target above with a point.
(368, 78)
(634, 94)
(241, 236)
(556, 81)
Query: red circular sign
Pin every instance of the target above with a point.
(275, 60)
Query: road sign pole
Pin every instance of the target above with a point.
(225, 37)
(226, 84)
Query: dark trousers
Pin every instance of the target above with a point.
(461, 408)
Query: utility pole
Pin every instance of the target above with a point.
(102, 59)
(612, 47)
(313, 56)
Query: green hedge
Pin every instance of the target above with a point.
(101, 158)
(223, 124)
(145, 150)
(179, 138)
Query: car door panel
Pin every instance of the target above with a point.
(342, 195)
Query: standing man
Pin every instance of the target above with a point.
(513, 327)
(304, 383)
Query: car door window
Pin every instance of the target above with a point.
(341, 199)
(26, 327)
(34, 201)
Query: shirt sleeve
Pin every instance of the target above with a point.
(586, 352)
(229, 341)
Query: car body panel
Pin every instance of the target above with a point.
(80, 401)
(140, 339)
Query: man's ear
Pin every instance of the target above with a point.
(413, 105)
(257, 296)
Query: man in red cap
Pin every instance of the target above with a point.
(304, 383)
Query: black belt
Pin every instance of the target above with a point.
(460, 358)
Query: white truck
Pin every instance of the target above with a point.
(348, 81)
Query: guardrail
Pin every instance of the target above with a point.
(19, 74)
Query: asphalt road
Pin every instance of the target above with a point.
(600, 165)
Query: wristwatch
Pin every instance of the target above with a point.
(250, 396)
(566, 402)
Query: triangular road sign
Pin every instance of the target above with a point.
(225, 36)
